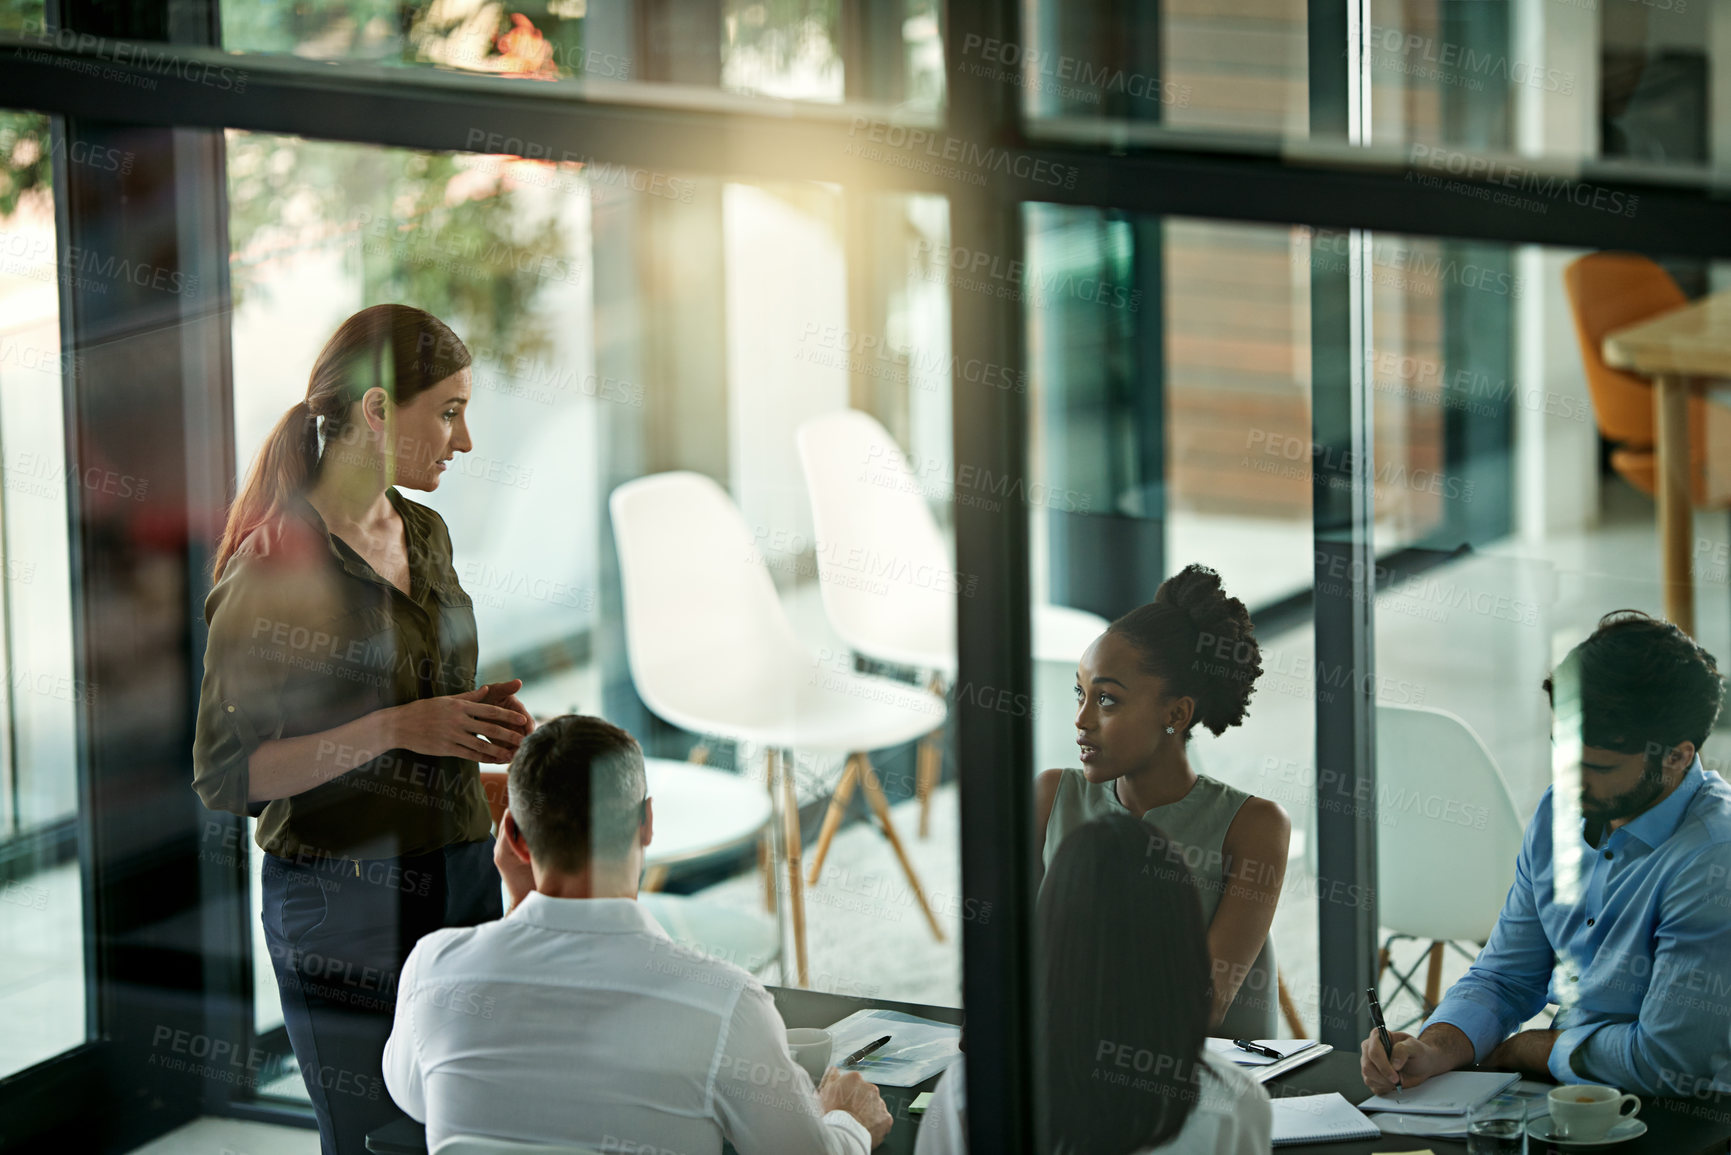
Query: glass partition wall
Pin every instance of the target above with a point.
(1122, 289)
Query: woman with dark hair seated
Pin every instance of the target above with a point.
(1124, 999)
(1189, 658)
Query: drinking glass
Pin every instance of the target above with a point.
(1498, 1127)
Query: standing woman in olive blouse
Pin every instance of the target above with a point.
(1189, 658)
(339, 703)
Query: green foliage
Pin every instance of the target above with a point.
(475, 261)
(16, 14)
(26, 165)
(776, 27)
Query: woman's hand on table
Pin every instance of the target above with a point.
(453, 725)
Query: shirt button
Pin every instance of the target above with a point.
(1607, 856)
(230, 709)
(1590, 922)
(1571, 978)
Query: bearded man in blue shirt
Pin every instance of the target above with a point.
(1620, 913)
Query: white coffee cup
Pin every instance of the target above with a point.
(1587, 1110)
(811, 1047)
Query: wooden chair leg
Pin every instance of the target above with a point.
(654, 879)
(929, 766)
(1433, 979)
(1381, 962)
(795, 882)
(880, 806)
(833, 816)
(1289, 1009)
(766, 870)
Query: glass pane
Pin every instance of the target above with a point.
(1530, 499)
(1616, 80)
(1535, 87)
(1239, 67)
(594, 314)
(792, 51)
(1176, 397)
(42, 971)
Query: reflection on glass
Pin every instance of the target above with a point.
(42, 995)
(1181, 407)
(1235, 67)
(624, 322)
(1449, 83)
(787, 49)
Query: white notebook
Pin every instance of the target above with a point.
(1454, 1093)
(1319, 1119)
(1229, 1050)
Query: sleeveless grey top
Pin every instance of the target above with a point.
(1197, 825)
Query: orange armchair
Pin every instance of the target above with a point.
(1607, 292)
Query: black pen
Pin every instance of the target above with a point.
(1382, 1033)
(1256, 1048)
(864, 1051)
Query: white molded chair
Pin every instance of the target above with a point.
(1447, 835)
(711, 650)
(873, 523)
(481, 1145)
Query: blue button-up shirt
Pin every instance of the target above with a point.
(1639, 960)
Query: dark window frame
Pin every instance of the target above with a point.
(1246, 179)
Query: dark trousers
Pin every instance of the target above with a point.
(339, 932)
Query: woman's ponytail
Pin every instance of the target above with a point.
(284, 466)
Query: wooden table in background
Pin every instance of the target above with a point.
(1693, 341)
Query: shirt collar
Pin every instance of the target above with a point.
(1659, 823)
(303, 509)
(587, 915)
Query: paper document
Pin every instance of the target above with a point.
(1318, 1119)
(1427, 1126)
(917, 1050)
(1454, 1093)
(1227, 1049)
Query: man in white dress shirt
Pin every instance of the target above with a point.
(575, 1019)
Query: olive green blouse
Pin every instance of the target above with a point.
(305, 636)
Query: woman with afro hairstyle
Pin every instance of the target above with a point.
(1189, 658)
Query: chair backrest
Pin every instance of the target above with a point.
(482, 1145)
(1606, 292)
(1447, 833)
(709, 645)
(885, 575)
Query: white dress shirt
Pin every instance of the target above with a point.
(579, 1021)
(1232, 1117)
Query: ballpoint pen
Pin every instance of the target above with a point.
(1382, 1033)
(864, 1051)
(1257, 1049)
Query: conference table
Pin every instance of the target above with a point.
(1674, 1127)
(1673, 349)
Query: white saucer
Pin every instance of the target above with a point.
(1539, 1127)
